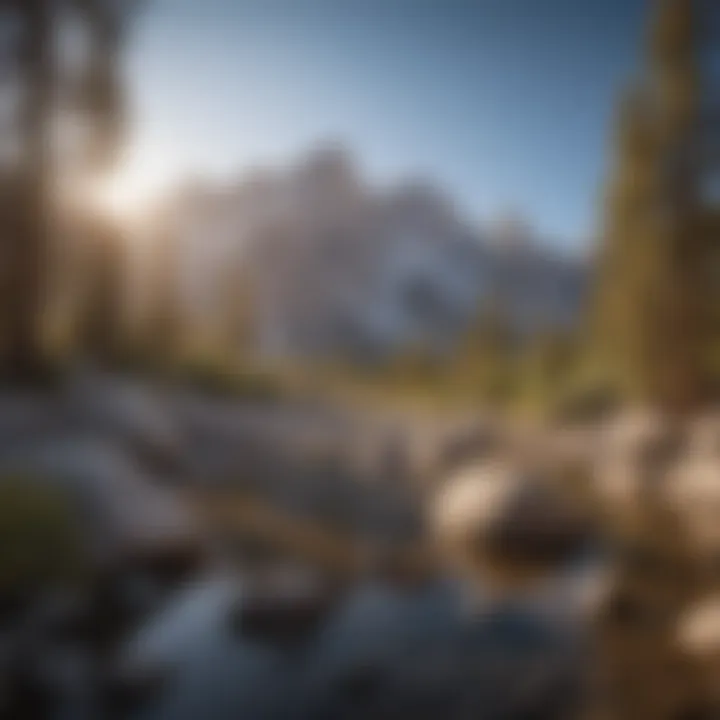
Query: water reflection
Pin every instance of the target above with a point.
(381, 653)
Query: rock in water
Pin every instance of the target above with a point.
(284, 607)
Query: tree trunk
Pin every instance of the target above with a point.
(31, 233)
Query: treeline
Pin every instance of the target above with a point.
(651, 334)
(61, 129)
(67, 290)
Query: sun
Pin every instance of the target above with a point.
(115, 196)
(125, 192)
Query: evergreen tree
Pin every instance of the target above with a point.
(651, 293)
(29, 32)
(620, 313)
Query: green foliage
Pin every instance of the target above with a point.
(39, 538)
(650, 299)
(232, 380)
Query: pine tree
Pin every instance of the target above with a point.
(29, 30)
(620, 322)
(651, 292)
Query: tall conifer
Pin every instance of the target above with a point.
(651, 293)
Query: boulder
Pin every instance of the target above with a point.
(500, 516)
(699, 629)
(692, 491)
(634, 452)
(26, 418)
(704, 436)
(471, 499)
(469, 443)
(284, 606)
(698, 638)
(130, 413)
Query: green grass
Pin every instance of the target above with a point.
(231, 380)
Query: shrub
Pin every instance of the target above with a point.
(39, 538)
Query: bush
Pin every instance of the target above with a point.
(39, 537)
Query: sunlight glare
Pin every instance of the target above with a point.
(125, 192)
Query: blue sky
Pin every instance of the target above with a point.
(506, 104)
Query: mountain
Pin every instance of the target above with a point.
(333, 266)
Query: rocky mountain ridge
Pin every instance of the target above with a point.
(330, 265)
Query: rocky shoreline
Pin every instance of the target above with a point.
(545, 572)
